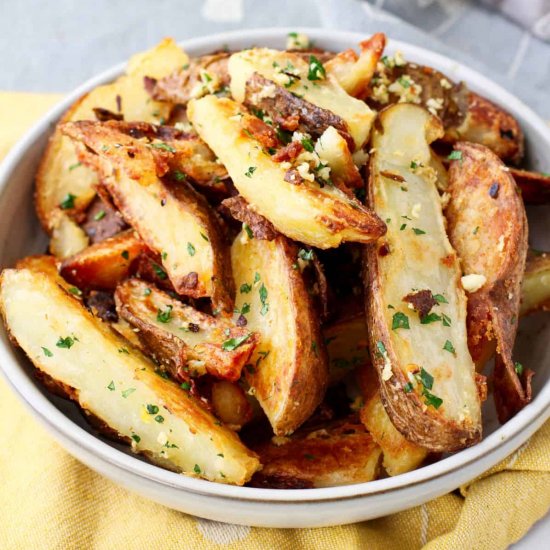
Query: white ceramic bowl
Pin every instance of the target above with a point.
(20, 235)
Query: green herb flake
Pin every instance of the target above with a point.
(305, 255)
(446, 320)
(221, 455)
(205, 237)
(159, 272)
(418, 231)
(431, 399)
(408, 387)
(73, 166)
(426, 379)
(474, 232)
(163, 146)
(518, 367)
(190, 249)
(440, 299)
(404, 81)
(430, 318)
(185, 386)
(163, 316)
(455, 155)
(152, 409)
(68, 201)
(136, 438)
(128, 392)
(111, 386)
(400, 320)
(197, 469)
(256, 277)
(47, 352)
(307, 144)
(381, 348)
(76, 291)
(159, 418)
(147, 292)
(125, 254)
(263, 299)
(179, 175)
(245, 288)
(249, 232)
(449, 347)
(250, 171)
(316, 71)
(403, 226)
(66, 342)
(123, 350)
(100, 215)
(234, 343)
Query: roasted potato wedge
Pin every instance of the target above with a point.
(68, 238)
(354, 72)
(347, 346)
(535, 287)
(187, 341)
(333, 454)
(535, 186)
(61, 175)
(103, 265)
(416, 314)
(288, 370)
(170, 217)
(116, 384)
(230, 404)
(286, 89)
(315, 215)
(466, 115)
(488, 228)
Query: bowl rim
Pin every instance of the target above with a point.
(517, 429)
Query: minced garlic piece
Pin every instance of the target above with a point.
(444, 83)
(380, 94)
(473, 282)
(433, 105)
(303, 170)
(407, 90)
(360, 157)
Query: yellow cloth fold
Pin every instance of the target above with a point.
(49, 500)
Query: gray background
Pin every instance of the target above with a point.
(52, 46)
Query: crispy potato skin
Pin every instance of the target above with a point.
(132, 172)
(396, 355)
(484, 196)
(103, 265)
(187, 336)
(239, 209)
(93, 361)
(535, 186)
(338, 453)
(289, 372)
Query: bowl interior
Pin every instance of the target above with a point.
(21, 235)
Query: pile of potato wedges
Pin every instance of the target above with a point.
(285, 269)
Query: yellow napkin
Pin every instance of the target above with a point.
(49, 500)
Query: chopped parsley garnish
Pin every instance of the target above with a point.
(123, 350)
(446, 320)
(190, 249)
(111, 386)
(430, 318)
(256, 277)
(455, 155)
(125, 254)
(136, 438)
(76, 291)
(197, 469)
(307, 144)
(159, 418)
(66, 342)
(152, 409)
(263, 299)
(185, 386)
(381, 348)
(47, 352)
(221, 455)
(205, 237)
(518, 367)
(404, 81)
(449, 347)
(475, 230)
(100, 215)
(68, 201)
(316, 71)
(249, 231)
(128, 392)
(305, 255)
(244, 310)
(164, 316)
(163, 146)
(234, 343)
(431, 399)
(73, 166)
(418, 231)
(403, 226)
(245, 288)
(408, 387)
(400, 320)
(147, 292)
(425, 378)
(159, 272)
(250, 171)
(440, 299)
(179, 175)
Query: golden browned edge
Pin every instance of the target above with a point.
(493, 310)
(200, 420)
(310, 457)
(154, 163)
(41, 175)
(173, 351)
(102, 265)
(537, 262)
(309, 371)
(421, 425)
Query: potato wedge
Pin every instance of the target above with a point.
(230, 404)
(488, 228)
(315, 215)
(298, 88)
(354, 72)
(288, 370)
(425, 369)
(535, 186)
(170, 217)
(347, 346)
(187, 341)
(61, 174)
(82, 354)
(68, 238)
(535, 286)
(103, 265)
(339, 453)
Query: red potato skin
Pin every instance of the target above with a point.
(484, 195)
